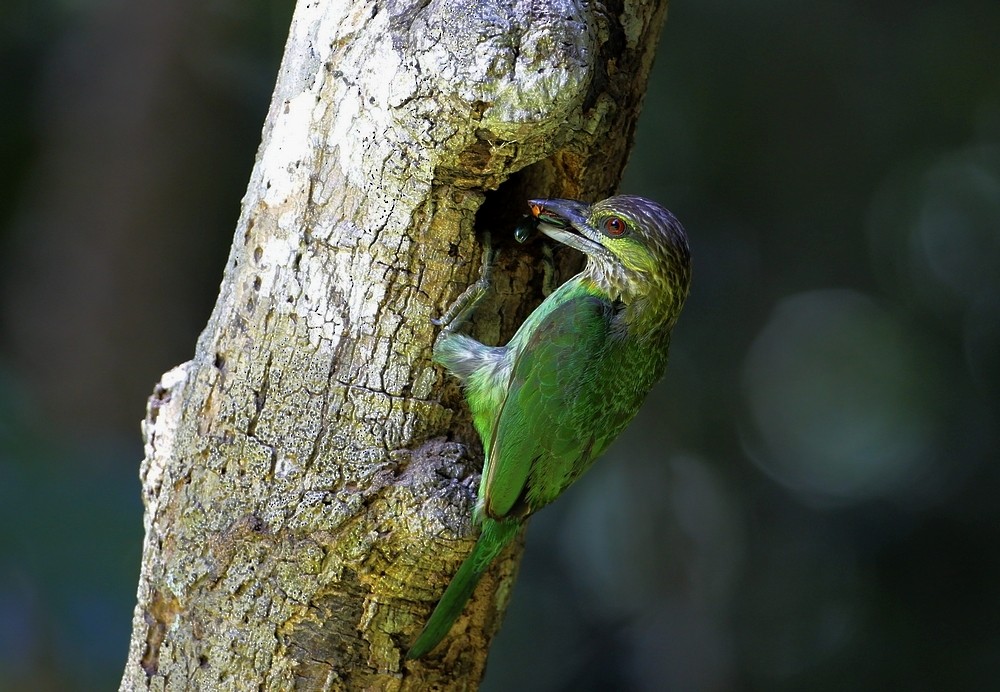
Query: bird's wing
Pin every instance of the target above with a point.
(539, 439)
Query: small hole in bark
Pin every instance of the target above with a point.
(503, 208)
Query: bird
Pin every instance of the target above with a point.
(571, 378)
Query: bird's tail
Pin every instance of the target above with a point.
(495, 536)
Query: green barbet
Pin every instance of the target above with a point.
(548, 403)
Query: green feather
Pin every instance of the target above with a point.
(494, 538)
(535, 432)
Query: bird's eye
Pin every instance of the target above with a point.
(615, 227)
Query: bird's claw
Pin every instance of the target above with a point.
(463, 307)
(548, 271)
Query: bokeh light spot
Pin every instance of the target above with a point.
(839, 398)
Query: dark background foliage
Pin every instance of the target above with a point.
(808, 501)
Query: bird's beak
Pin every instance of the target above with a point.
(559, 218)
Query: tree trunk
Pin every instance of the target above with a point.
(309, 474)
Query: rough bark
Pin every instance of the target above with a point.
(309, 474)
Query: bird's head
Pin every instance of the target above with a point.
(637, 251)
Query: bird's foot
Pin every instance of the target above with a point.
(548, 270)
(463, 307)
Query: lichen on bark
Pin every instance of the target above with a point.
(309, 474)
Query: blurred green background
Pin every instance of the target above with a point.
(807, 502)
